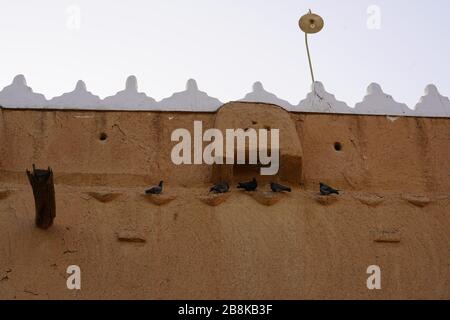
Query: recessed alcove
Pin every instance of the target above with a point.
(257, 116)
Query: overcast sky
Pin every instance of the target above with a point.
(226, 45)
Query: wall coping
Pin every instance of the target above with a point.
(18, 95)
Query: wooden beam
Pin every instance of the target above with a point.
(44, 196)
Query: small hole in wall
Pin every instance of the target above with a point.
(338, 146)
(254, 123)
(103, 136)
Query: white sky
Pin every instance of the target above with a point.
(226, 45)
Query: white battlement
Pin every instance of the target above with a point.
(376, 102)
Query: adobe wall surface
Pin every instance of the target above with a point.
(378, 153)
(261, 116)
(393, 212)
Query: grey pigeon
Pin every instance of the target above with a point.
(248, 186)
(156, 190)
(327, 190)
(221, 187)
(279, 187)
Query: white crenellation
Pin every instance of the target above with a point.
(19, 95)
(259, 94)
(432, 104)
(192, 99)
(79, 98)
(130, 98)
(376, 102)
(319, 100)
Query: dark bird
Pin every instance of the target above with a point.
(327, 190)
(248, 186)
(156, 190)
(221, 187)
(279, 187)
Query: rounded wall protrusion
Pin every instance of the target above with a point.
(371, 200)
(266, 198)
(431, 89)
(318, 87)
(215, 200)
(374, 89)
(191, 85)
(159, 199)
(104, 197)
(131, 84)
(81, 86)
(325, 200)
(19, 80)
(418, 201)
(258, 87)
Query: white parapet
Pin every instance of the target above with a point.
(432, 104)
(259, 94)
(19, 95)
(192, 99)
(319, 100)
(376, 102)
(79, 98)
(130, 98)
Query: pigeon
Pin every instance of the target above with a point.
(156, 190)
(221, 187)
(279, 188)
(327, 190)
(248, 186)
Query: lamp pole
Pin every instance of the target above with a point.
(310, 23)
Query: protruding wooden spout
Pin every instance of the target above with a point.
(44, 196)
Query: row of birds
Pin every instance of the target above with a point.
(224, 187)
